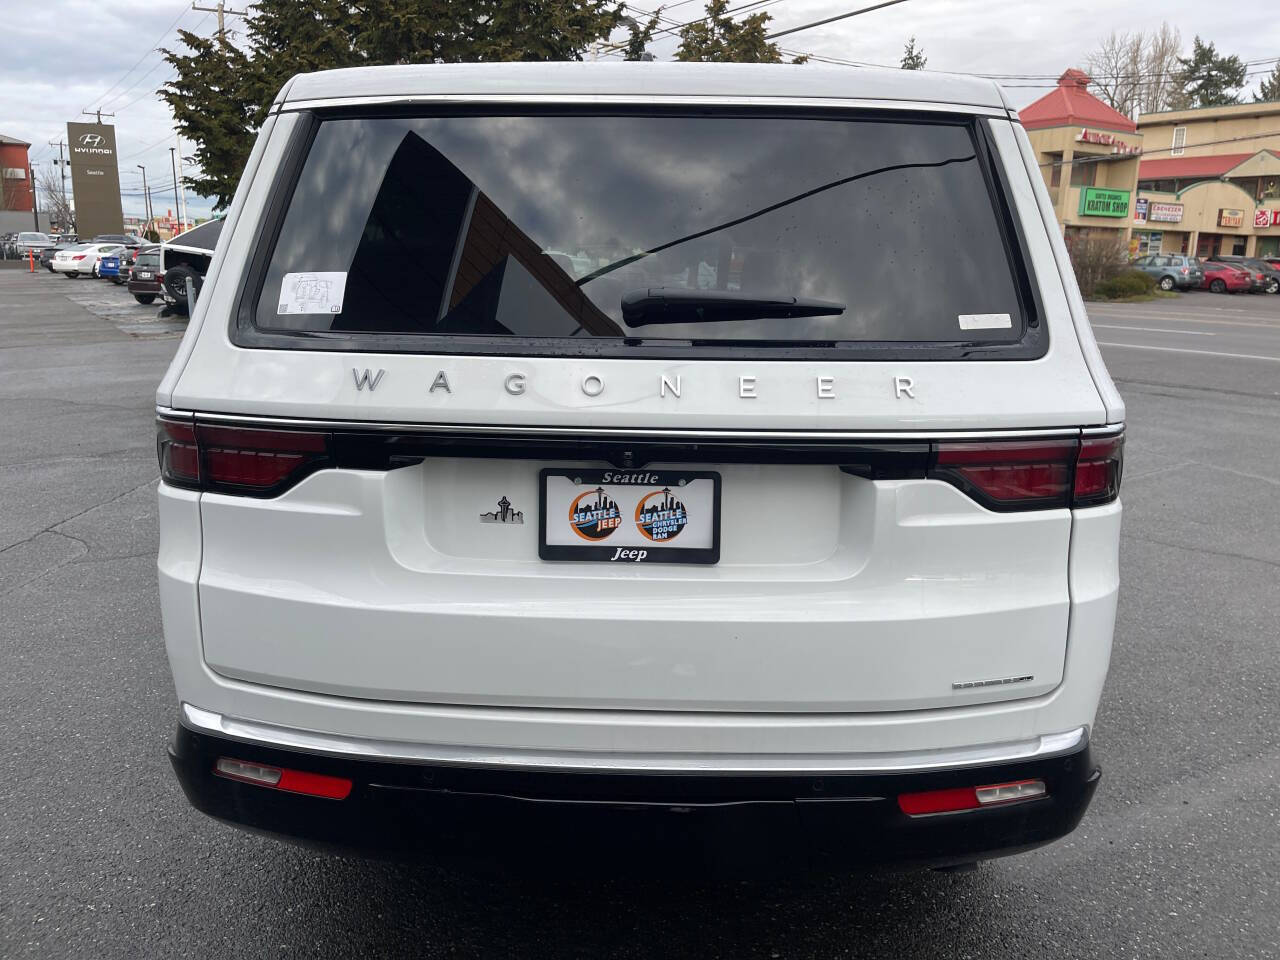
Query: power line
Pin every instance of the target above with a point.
(840, 16)
(148, 51)
(1106, 157)
(676, 26)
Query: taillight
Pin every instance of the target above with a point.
(1033, 475)
(239, 460)
(78, 256)
(1008, 475)
(1098, 470)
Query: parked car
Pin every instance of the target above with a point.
(146, 278)
(1265, 278)
(1172, 270)
(29, 241)
(460, 551)
(129, 240)
(83, 258)
(47, 255)
(1225, 277)
(188, 257)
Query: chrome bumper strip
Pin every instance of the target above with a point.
(633, 433)
(397, 751)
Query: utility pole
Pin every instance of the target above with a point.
(146, 197)
(35, 204)
(221, 10)
(98, 113)
(177, 209)
(182, 187)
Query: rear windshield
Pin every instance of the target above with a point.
(643, 229)
(149, 259)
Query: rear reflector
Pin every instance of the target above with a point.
(969, 798)
(282, 778)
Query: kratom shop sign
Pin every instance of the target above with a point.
(1100, 202)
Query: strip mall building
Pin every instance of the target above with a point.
(1203, 181)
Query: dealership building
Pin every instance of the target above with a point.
(1204, 181)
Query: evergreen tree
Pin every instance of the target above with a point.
(639, 37)
(1206, 79)
(1269, 89)
(717, 37)
(913, 57)
(221, 93)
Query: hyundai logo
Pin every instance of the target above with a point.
(92, 140)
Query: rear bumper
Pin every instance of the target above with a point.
(541, 817)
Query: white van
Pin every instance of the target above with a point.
(572, 452)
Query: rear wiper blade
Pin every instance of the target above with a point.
(680, 305)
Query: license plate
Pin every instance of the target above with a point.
(629, 516)
(143, 275)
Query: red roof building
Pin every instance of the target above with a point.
(1191, 168)
(1071, 104)
(1088, 153)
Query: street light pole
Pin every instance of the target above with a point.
(146, 197)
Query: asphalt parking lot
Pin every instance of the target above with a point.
(100, 856)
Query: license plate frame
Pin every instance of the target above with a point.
(145, 275)
(628, 488)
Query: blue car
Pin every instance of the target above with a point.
(1172, 270)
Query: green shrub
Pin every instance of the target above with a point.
(1126, 283)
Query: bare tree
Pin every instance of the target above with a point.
(1115, 68)
(1160, 64)
(54, 201)
(1137, 72)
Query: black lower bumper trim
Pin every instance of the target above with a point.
(418, 811)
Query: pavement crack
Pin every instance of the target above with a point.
(1203, 550)
(53, 527)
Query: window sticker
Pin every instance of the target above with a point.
(312, 292)
(985, 321)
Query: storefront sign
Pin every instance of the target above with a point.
(1230, 218)
(1266, 218)
(95, 179)
(1165, 213)
(1100, 202)
(1140, 210)
(1107, 140)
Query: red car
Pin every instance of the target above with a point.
(1225, 278)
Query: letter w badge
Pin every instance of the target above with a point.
(366, 378)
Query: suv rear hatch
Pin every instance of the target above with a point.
(725, 410)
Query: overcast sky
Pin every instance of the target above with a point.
(61, 57)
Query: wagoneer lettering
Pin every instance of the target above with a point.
(666, 482)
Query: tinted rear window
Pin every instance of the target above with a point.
(539, 226)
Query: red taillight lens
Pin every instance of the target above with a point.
(1098, 470)
(176, 449)
(256, 458)
(1034, 475)
(1009, 475)
(78, 256)
(238, 459)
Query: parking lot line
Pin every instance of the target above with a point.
(1123, 326)
(1203, 353)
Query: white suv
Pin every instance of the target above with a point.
(639, 449)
